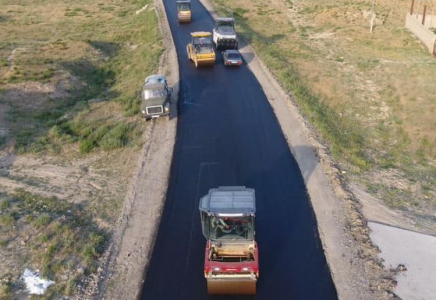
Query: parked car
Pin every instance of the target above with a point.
(232, 58)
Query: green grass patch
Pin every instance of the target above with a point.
(42, 220)
(6, 292)
(7, 220)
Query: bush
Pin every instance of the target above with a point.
(89, 253)
(115, 138)
(5, 204)
(99, 133)
(7, 220)
(70, 287)
(43, 220)
(86, 146)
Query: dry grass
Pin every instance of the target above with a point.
(371, 97)
(57, 63)
(69, 128)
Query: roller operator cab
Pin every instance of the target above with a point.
(184, 12)
(200, 49)
(231, 264)
(156, 97)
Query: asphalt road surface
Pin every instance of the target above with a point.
(228, 135)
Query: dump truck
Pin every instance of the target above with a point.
(224, 34)
(156, 97)
(184, 12)
(231, 264)
(200, 49)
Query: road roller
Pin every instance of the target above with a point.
(231, 263)
(184, 13)
(200, 49)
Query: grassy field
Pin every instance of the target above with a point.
(371, 97)
(65, 60)
(70, 74)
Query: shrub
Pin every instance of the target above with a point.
(86, 146)
(43, 220)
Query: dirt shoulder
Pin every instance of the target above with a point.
(127, 259)
(352, 258)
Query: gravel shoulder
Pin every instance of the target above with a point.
(353, 260)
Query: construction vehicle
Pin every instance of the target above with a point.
(200, 49)
(224, 34)
(156, 97)
(184, 12)
(231, 264)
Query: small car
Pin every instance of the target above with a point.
(232, 58)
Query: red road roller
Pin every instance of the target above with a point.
(231, 264)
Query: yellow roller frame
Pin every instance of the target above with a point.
(201, 34)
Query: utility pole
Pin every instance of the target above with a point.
(372, 17)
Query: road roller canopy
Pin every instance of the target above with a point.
(183, 5)
(200, 34)
(202, 42)
(228, 213)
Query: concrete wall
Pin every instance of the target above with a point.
(425, 35)
(430, 20)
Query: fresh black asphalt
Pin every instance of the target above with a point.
(227, 134)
